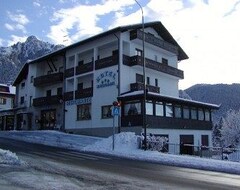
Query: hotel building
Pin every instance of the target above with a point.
(73, 88)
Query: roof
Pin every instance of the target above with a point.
(160, 97)
(22, 74)
(157, 25)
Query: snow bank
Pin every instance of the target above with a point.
(51, 138)
(8, 158)
(123, 142)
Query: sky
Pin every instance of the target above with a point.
(207, 30)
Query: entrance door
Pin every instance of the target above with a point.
(19, 121)
(29, 117)
(48, 119)
(1, 123)
(185, 144)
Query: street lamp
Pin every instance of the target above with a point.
(144, 80)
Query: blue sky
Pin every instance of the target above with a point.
(207, 30)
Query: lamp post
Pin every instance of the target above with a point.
(144, 80)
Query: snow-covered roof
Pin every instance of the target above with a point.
(167, 97)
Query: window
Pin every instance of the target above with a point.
(59, 91)
(49, 93)
(156, 82)
(139, 78)
(71, 59)
(205, 141)
(149, 108)
(23, 84)
(193, 113)
(178, 111)
(148, 80)
(164, 61)
(3, 101)
(207, 115)
(169, 110)
(138, 52)
(61, 69)
(80, 86)
(200, 114)
(159, 109)
(80, 63)
(106, 112)
(133, 108)
(155, 58)
(30, 101)
(32, 79)
(22, 100)
(186, 113)
(84, 112)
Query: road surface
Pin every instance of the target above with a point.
(81, 170)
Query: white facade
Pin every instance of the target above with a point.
(6, 107)
(6, 97)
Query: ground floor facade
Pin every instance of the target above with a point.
(180, 121)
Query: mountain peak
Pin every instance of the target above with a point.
(14, 57)
(31, 38)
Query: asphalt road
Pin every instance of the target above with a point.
(143, 175)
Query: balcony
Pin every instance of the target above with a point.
(46, 101)
(68, 96)
(69, 72)
(84, 68)
(106, 62)
(84, 93)
(139, 86)
(149, 38)
(137, 60)
(48, 79)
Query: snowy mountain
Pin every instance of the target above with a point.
(221, 94)
(14, 57)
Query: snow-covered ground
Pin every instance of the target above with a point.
(126, 146)
(9, 158)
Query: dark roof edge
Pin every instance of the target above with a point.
(169, 39)
(139, 94)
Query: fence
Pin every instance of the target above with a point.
(220, 153)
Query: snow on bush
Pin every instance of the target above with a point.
(9, 158)
(124, 142)
(231, 129)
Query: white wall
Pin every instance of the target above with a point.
(174, 136)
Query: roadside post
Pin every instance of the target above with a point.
(115, 112)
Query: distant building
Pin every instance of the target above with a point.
(6, 108)
(72, 89)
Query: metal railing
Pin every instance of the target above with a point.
(219, 153)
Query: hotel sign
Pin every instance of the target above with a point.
(106, 79)
(79, 101)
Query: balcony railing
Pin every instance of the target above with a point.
(139, 86)
(84, 93)
(137, 60)
(106, 62)
(137, 34)
(84, 68)
(69, 72)
(68, 96)
(48, 79)
(45, 101)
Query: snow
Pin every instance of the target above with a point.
(172, 97)
(9, 158)
(126, 145)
